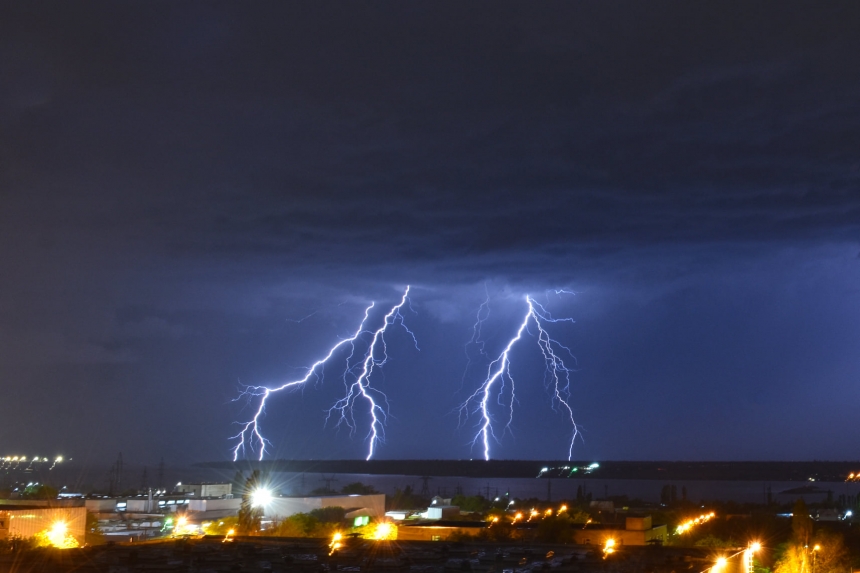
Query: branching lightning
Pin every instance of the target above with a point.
(356, 378)
(482, 315)
(557, 376)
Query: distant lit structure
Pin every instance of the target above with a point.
(29, 463)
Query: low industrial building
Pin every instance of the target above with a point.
(205, 489)
(637, 531)
(432, 512)
(438, 530)
(206, 509)
(354, 505)
(20, 520)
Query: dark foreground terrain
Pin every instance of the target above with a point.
(259, 554)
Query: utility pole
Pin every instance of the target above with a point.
(119, 472)
(160, 484)
(328, 481)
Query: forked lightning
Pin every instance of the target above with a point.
(356, 378)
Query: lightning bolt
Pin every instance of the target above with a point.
(375, 356)
(360, 388)
(482, 315)
(557, 378)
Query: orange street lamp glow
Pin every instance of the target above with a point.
(690, 523)
(609, 546)
(384, 531)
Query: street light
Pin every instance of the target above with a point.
(748, 555)
(608, 547)
(815, 551)
(261, 497)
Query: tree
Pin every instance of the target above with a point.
(578, 516)
(330, 514)
(250, 516)
(555, 529)
(829, 554)
(823, 552)
(222, 526)
(305, 525)
(358, 488)
(39, 491)
(296, 525)
(471, 502)
(801, 524)
(714, 542)
(406, 499)
(94, 534)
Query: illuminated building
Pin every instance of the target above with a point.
(636, 531)
(25, 521)
(205, 489)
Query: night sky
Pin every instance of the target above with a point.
(201, 196)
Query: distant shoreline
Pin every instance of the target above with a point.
(825, 471)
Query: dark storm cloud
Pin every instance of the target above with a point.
(179, 179)
(317, 124)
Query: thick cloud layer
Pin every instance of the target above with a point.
(181, 183)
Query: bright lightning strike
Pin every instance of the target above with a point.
(356, 378)
(499, 375)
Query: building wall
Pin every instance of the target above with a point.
(442, 511)
(432, 532)
(101, 505)
(621, 536)
(638, 523)
(215, 504)
(206, 489)
(141, 505)
(209, 509)
(27, 522)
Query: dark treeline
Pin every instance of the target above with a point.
(753, 471)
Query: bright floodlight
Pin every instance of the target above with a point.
(261, 497)
(721, 562)
(384, 531)
(755, 546)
